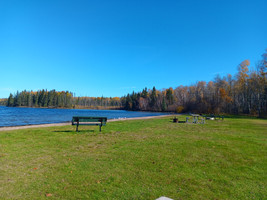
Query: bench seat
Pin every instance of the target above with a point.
(89, 121)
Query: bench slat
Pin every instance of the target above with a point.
(89, 120)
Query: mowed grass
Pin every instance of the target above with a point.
(138, 159)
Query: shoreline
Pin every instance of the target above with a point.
(9, 128)
(70, 108)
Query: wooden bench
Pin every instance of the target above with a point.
(89, 121)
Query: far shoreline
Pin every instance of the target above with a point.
(79, 108)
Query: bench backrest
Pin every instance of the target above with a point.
(89, 119)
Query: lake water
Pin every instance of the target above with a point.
(13, 116)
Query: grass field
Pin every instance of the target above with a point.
(139, 159)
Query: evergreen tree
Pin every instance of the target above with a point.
(163, 105)
(128, 103)
(17, 99)
(10, 101)
(144, 93)
(169, 96)
(153, 98)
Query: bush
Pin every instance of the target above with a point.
(179, 109)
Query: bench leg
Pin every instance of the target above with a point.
(77, 126)
(100, 126)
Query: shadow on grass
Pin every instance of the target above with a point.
(240, 117)
(74, 131)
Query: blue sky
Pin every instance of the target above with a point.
(111, 48)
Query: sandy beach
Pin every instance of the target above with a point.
(69, 123)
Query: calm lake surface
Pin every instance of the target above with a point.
(12, 116)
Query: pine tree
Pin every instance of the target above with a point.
(10, 101)
(153, 98)
(128, 103)
(169, 96)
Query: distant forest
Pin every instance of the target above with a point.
(63, 99)
(243, 93)
(3, 102)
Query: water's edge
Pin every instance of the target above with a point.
(21, 116)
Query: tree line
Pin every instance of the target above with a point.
(244, 93)
(97, 102)
(41, 98)
(63, 99)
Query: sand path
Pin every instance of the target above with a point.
(69, 123)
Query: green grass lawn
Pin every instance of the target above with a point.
(138, 159)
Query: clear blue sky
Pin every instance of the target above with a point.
(112, 47)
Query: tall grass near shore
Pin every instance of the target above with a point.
(139, 159)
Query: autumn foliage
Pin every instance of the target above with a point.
(244, 93)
